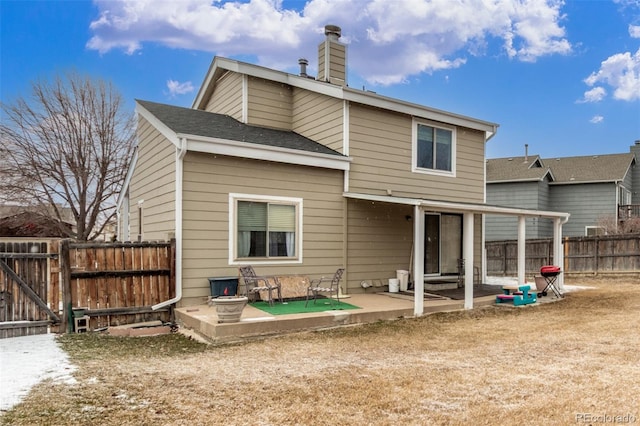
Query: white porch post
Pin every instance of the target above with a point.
(467, 250)
(521, 249)
(418, 261)
(558, 254)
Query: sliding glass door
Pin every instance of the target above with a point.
(443, 243)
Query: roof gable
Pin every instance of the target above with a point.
(221, 65)
(529, 168)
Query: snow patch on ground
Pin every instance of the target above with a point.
(500, 281)
(26, 361)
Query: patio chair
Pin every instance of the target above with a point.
(331, 285)
(254, 284)
(460, 273)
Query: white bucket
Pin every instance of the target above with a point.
(394, 285)
(403, 278)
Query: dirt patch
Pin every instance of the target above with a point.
(549, 364)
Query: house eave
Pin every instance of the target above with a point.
(515, 180)
(581, 182)
(159, 125)
(253, 151)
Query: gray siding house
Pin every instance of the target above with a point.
(594, 189)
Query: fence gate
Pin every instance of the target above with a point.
(29, 287)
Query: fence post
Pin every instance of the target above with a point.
(172, 268)
(596, 254)
(65, 285)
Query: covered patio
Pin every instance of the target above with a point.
(468, 211)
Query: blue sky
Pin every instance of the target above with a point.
(562, 77)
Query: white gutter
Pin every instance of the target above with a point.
(180, 153)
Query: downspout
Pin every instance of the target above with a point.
(180, 153)
(483, 241)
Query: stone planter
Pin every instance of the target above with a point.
(229, 309)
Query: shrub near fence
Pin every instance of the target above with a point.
(582, 255)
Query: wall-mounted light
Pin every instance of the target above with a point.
(408, 218)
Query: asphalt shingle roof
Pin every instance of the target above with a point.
(207, 124)
(590, 168)
(515, 169)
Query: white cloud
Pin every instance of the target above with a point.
(414, 36)
(177, 88)
(622, 72)
(634, 31)
(596, 119)
(594, 95)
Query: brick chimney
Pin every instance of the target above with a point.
(332, 57)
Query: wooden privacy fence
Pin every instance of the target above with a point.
(588, 255)
(117, 283)
(29, 287)
(44, 284)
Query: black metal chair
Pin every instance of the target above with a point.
(460, 273)
(254, 284)
(332, 286)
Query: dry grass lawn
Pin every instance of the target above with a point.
(546, 364)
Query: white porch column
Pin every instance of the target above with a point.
(558, 253)
(467, 250)
(521, 249)
(418, 261)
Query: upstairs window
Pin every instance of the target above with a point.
(266, 229)
(434, 148)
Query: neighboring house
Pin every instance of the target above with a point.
(301, 175)
(591, 188)
(29, 224)
(29, 221)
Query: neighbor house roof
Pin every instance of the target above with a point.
(591, 168)
(192, 122)
(29, 224)
(562, 170)
(517, 169)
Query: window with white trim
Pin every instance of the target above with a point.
(434, 148)
(266, 228)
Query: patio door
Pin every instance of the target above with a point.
(442, 243)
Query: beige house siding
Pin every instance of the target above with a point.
(269, 104)
(153, 182)
(318, 117)
(380, 241)
(381, 146)
(227, 96)
(337, 62)
(208, 181)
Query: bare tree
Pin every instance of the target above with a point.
(612, 226)
(67, 147)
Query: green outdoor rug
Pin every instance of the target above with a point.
(297, 306)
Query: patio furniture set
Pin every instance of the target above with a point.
(271, 286)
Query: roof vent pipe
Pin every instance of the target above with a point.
(333, 32)
(526, 152)
(303, 67)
